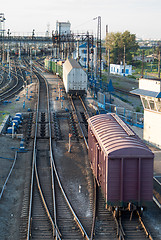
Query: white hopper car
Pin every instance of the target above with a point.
(74, 78)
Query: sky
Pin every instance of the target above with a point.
(140, 17)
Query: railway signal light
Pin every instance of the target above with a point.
(56, 38)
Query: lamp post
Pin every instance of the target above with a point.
(2, 30)
(159, 63)
(8, 54)
(31, 63)
(8, 51)
(99, 48)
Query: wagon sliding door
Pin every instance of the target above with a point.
(137, 180)
(130, 176)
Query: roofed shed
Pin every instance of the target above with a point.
(121, 162)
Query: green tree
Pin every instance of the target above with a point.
(116, 42)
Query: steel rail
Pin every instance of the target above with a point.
(143, 225)
(60, 185)
(157, 180)
(156, 202)
(11, 89)
(63, 192)
(44, 203)
(2, 70)
(54, 223)
(154, 198)
(58, 234)
(94, 209)
(84, 106)
(3, 188)
(85, 140)
(120, 231)
(3, 80)
(33, 164)
(34, 170)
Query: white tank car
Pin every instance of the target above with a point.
(74, 78)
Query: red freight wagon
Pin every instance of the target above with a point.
(121, 162)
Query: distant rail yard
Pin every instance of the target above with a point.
(74, 161)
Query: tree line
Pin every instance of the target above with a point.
(121, 45)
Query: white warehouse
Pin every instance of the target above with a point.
(119, 69)
(74, 78)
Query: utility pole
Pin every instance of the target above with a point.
(19, 51)
(31, 63)
(99, 48)
(92, 53)
(77, 50)
(88, 46)
(8, 50)
(124, 59)
(159, 63)
(2, 30)
(106, 44)
(107, 54)
(142, 71)
(109, 64)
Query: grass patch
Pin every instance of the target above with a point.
(2, 117)
(116, 84)
(12, 107)
(1, 112)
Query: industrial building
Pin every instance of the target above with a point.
(82, 55)
(119, 69)
(150, 94)
(63, 28)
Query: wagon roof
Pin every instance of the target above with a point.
(71, 63)
(116, 138)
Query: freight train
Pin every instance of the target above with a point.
(52, 66)
(122, 164)
(73, 75)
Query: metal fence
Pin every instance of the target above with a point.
(130, 117)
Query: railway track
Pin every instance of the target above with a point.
(39, 65)
(104, 225)
(4, 80)
(82, 117)
(107, 224)
(126, 92)
(133, 226)
(157, 191)
(14, 85)
(41, 212)
(50, 213)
